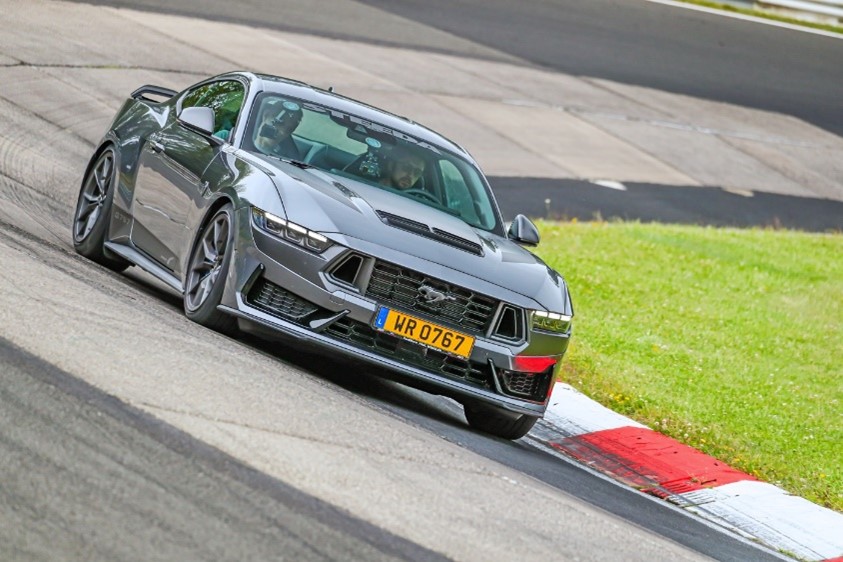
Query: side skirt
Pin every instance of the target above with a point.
(145, 263)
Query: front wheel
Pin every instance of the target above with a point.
(498, 422)
(207, 270)
(93, 210)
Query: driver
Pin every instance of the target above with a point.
(403, 169)
(277, 121)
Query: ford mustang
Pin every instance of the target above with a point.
(295, 213)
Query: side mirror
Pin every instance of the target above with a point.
(198, 118)
(523, 231)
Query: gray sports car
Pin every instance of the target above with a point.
(292, 212)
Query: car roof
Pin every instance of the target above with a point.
(306, 92)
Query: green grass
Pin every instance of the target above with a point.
(766, 15)
(728, 340)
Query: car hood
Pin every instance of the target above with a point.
(339, 207)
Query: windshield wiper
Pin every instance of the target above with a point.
(297, 163)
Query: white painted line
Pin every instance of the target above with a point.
(776, 518)
(741, 192)
(812, 7)
(611, 184)
(572, 413)
(747, 18)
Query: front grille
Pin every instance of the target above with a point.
(271, 298)
(401, 286)
(528, 385)
(275, 300)
(362, 335)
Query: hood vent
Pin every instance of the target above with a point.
(436, 234)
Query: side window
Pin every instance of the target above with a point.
(225, 98)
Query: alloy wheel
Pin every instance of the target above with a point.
(207, 262)
(93, 197)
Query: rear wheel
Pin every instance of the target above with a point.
(207, 270)
(93, 211)
(498, 422)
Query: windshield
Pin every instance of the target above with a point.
(348, 146)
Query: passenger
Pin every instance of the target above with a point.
(403, 169)
(223, 133)
(277, 121)
(225, 130)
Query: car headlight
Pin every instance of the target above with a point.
(290, 231)
(551, 321)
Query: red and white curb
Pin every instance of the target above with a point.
(642, 458)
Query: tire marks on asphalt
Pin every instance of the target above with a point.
(86, 476)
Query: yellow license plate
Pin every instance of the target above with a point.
(423, 332)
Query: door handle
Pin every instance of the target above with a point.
(156, 146)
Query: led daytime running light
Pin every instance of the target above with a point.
(551, 321)
(290, 231)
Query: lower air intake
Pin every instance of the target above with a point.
(276, 300)
(532, 386)
(362, 335)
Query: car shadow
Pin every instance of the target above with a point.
(362, 379)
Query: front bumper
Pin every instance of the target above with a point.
(311, 308)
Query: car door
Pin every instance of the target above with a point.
(170, 184)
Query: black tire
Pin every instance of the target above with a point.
(93, 212)
(207, 270)
(500, 423)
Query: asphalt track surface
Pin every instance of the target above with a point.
(67, 446)
(446, 421)
(641, 43)
(87, 476)
(577, 199)
(661, 47)
(57, 428)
